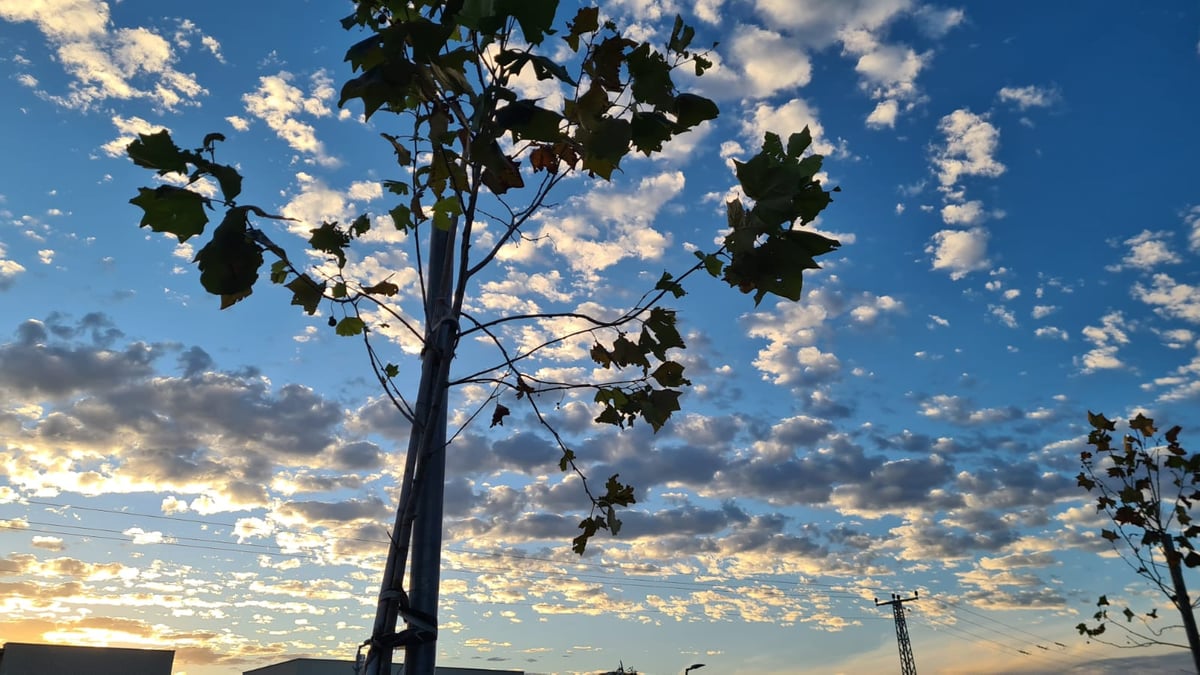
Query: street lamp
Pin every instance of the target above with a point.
(694, 666)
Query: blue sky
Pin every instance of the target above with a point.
(1020, 221)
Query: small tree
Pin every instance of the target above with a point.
(472, 151)
(1147, 486)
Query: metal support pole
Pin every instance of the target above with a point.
(908, 665)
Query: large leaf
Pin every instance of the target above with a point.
(173, 210)
(229, 263)
(157, 151)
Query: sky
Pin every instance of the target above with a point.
(1020, 224)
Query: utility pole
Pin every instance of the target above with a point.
(908, 666)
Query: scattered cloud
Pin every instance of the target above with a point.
(105, 63)
(1031, 96)
(969, 150)
(280, 104)
(959, 252)
(1106, 339)
(1146, 251)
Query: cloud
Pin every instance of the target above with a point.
(9, 270)
(1106, 339)
(1146, 251)
(607, 225)
(937, 22)
(1170, 298)
(1052, 332)
(969, 150)
(820, 23)
(760, 63)
(279, 104)
(968, 213)
(125, 63)
(1191, 218)
(792, 330)
(889, 74)
(107, 422)
(128, 129)
(959, 252)
(958, 410)
(1031, 96)
(884, 115)
(785, 120)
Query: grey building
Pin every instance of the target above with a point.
(336, 667)
(22, 658)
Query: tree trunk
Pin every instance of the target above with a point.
(418, 523)
(1182, 602)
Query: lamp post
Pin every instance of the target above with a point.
(694, 666)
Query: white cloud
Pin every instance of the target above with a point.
(9, 270)
(938, 321)
(968, 213)
(1005, 316)
(128, 129)
(279, 103)
(1191, 218)
(1171, 298)
(785, 120)
(1178, 338)
(709, 11)
(820, 23)
(125, 63)
(936, 22)
(959, 252)
(1106, 339)
(768, 61)
(1043, 311)
(1032, 96)
(606, 227)
(650, 10)
(971, 143)
(1052, 332)
(238, 123)
(1146, 251)
(884, 115)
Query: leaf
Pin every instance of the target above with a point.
(649, 131)
(534, 16)
(499, 414)
(681, 36)
(157, 151)
(669, 374)
(527, 121)
(306, 293)
(568, 456)
(230, 261)
(667, 283)
(350, 326)
(1100, 422)
(382, 288)
(172, 210)
(1110, 536)
(692, 109)
(587, 20)
(227, 177)
(604, 146)
(329, 238)
(651, 75)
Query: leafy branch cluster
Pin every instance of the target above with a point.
(1147, 486)
(466, 143)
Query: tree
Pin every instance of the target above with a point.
(466, 142)
(1147, 487)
